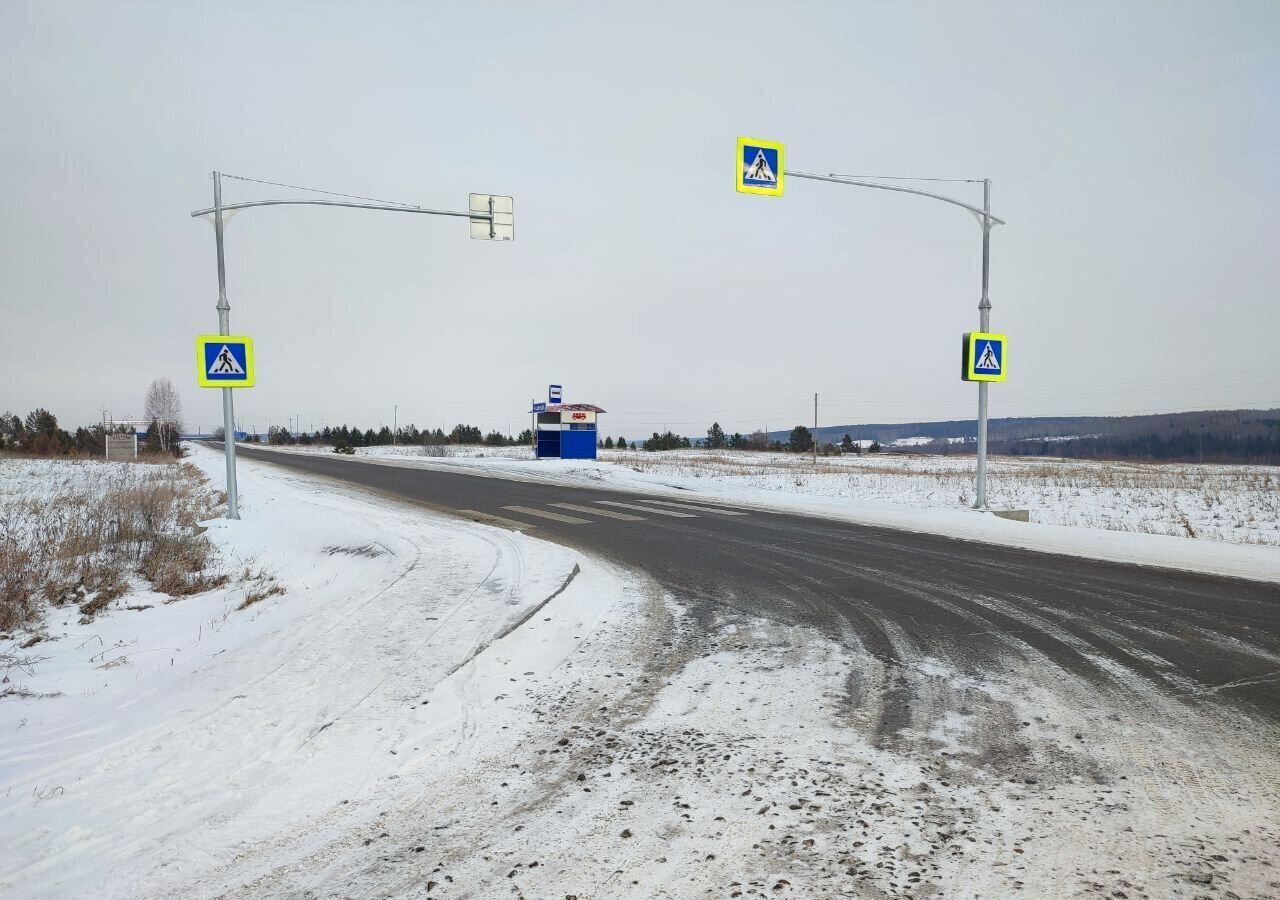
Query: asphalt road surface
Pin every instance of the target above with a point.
(901, 596)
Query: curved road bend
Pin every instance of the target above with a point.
(901, 595)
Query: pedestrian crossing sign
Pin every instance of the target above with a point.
(759, 167)
(224, 360)
(985, 356)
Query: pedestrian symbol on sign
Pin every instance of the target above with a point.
(760, 170)
(988, 359)
(225, 363)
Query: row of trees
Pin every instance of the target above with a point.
(1182, 446)
(799, 441)
(345, 436)
(40, 435)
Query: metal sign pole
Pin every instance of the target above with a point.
(986, 220)
(984, 318)
(491, 218)
(224, 327)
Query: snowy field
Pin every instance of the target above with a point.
(1240, 504)
(436, 708)
(1219, 519)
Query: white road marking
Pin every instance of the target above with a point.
(711, 509)
(542, 513)
(649, 509)
(626, 517)
(491, 519)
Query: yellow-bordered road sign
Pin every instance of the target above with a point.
(224, 360)
(759, 167)
(985, 356)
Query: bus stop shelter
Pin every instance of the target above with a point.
(565, 430)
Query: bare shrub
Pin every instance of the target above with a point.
(369, 551)
(18, 583)
(258, 594)
(83, 528)
(174, 563)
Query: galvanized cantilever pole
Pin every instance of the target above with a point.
(984, 324)
(492, 218)
(224, 327)
(986, 220)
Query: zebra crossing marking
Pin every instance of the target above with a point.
(711, 509)
(608, 513)
(544, 514)
(649, 509)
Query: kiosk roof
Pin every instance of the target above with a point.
(570, 407)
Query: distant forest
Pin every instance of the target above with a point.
(1233, 436)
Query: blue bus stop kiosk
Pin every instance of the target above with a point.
(566, 430)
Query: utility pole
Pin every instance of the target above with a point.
(395, 423)
(815, 430)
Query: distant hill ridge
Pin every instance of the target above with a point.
(1229, 435)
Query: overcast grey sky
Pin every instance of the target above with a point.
(1132, 146)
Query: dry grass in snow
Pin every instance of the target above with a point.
(80, 532)
(1240, 504)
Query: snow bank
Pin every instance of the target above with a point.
(181, 734)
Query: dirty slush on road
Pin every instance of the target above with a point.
(686, 752)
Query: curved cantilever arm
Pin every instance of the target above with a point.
(409, 209)
(838, 179)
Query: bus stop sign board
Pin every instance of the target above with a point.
(224, 360)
